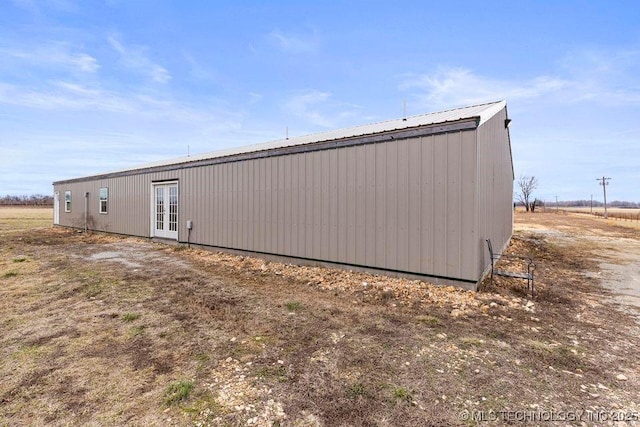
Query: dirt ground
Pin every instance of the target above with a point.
(107, 330)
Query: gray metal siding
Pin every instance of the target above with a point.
(403, 205)
(495, 187)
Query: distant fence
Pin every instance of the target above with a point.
(618, 216)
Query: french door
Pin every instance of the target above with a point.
(56, 208)
(165, 211)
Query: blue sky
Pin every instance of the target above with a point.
(92, 86)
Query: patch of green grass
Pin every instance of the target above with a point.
(19, 259)
(203, 361)
(177, 392)
(428, 319)
(356, 390)
(130, 317)
(202, 357)
(94, 283)
(136, 331)
(402, 394)
(278, 373)
(556, 355)
(11, 273)
(28, 352)
(469, 342)
(293, 306)
(204, 408)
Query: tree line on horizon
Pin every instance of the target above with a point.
(584, 204)
(27, 200)
(42, 200)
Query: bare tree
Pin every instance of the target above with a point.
(527, 184)
(536, 203)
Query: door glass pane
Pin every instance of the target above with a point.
(159, 208)
(173, 208)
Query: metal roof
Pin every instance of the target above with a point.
(481, 113)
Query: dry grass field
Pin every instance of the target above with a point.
(614, 214)
(98, 329)
(19, 219)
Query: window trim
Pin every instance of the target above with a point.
(105, 200)
(67, 203)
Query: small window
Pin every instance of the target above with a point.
(67, 201)
(104, 198)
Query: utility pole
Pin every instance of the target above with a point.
(604, 181)
(591, 205)
(556, 203)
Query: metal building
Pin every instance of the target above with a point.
(415, 196)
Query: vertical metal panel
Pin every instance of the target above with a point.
(402, 204)
(235, 204)
(309, 207)
(439, 202)
(279, 206)
(468, 232)
(193, 204)
(380, 208)
(299, 177)
(371, 217)
(325, 206)
(287, 207)
(343, 238)
(251, 206)
(414, 186)
(216, 203)
(391, 205)
(454, 205)
(427, 221)
(222, 204)
(359, 216)
(246, 209)
(294, 183)
(254, 205)
(228, 203)
(268, 197)
(316, 195)
(236, 187)
(238, 206)
(333, 202)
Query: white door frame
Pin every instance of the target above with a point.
(56, 208)
(165, 224)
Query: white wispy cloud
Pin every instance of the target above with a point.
(71, 96)
(197, 70)
(321, 109)
(606, 78)
(255, 98)
(302, 42)
(306, 105)
(135, 58)
(460, 86)
(53, 54)
(40, 6)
